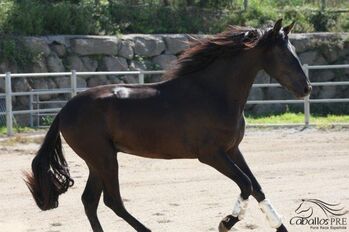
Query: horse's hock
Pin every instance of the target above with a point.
(153, 52)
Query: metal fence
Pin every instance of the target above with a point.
(73, 90)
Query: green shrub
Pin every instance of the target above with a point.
(158, 19)
(297, 14)
(23, 17)
(41, 17)
(323, 21)
(254, 16)
(64, 18)
(27, 17)
(14, 51)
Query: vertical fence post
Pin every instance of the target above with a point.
(306, 100)
(8, 90)
(141, 77)
(37, 104)
(73, 83)
(31, 102)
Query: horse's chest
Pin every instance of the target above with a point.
(225, 135)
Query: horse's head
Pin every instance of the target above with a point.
(281, 62)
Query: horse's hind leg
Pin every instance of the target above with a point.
(90, 199)
(112, 197)
(265, 205)
(100, 156)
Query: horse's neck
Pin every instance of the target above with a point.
(230, 78)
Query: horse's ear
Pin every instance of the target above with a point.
(288, 28)
(277, 27)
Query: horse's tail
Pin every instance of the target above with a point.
(50, 175)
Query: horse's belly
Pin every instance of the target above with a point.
(155, 143)
(155, 151)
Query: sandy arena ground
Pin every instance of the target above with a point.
(185, 195)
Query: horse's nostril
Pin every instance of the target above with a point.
(307, 89)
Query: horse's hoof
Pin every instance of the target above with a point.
(227, 223)
(282, 228)
(222, 228)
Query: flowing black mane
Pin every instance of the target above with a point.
(203, 51)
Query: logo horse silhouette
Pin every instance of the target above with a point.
(307, 207)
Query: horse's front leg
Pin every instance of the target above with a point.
(272, 216)
(226, 166)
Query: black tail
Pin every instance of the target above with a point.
(50, 176)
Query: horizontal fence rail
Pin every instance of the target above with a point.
(73, 90)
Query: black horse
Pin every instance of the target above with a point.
(198, 112)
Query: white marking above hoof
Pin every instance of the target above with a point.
(240, 207)
(272, 216)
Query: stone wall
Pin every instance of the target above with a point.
(156, 52)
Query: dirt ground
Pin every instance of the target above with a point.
(185, 195)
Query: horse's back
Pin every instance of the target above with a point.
(133, 118)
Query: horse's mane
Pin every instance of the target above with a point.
(202, 52)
